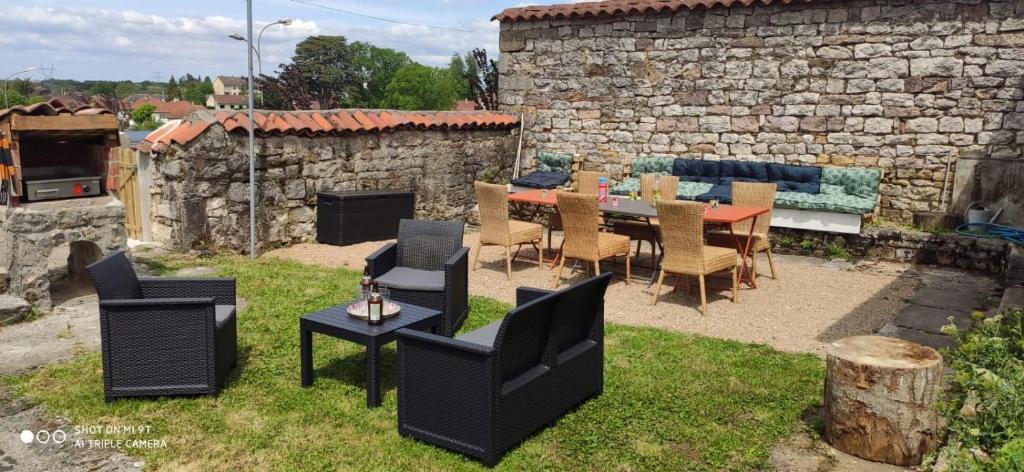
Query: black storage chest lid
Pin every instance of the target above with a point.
(364, 194)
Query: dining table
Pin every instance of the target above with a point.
(531, 203)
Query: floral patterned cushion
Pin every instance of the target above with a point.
(554, 162)
(829, 189)
(652, 165)
(690, 190)
(857, 181)
(629, 184)
(839, 203)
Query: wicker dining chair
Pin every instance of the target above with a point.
(496, 229)
(686, 255)
(583, 239)
(586, 181)
(750, 194)
(640, 231)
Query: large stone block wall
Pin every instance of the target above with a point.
(906, 86)
(200, 195)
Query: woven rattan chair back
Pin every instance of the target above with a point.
(751, 194)
(587, 182)
(493, 200)
(667, 184)
(427, 245)
(522, 339)
(580, 215)
(682, 233)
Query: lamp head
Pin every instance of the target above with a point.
(236, 36)
(285, 22)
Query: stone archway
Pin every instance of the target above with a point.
(66, 270)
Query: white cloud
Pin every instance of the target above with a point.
(98, 43)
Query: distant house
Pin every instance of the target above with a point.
(164, 111)
(228, 85)
(227, 102)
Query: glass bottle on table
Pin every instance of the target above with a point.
(375, 308)
(657, 187)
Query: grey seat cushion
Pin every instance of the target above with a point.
(483, 336)
(404, 278)
(223, 314)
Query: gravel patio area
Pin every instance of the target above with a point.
(813, 303)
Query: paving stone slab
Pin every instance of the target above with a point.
(931, 320)
(1012, 298)
(948, 299)
(12, 309)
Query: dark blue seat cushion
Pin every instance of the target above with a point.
(697, 170)
(743, 171)
(789, 178)
(548, 180)
(720, 192)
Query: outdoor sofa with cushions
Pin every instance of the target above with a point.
(163, 336)
(809, 197)
(427, 267)
(553, 169)
(487, 390)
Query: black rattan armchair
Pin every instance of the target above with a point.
(485, 391)
(427, 267)
(163, 336)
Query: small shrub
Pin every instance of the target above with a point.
(984, 405)
(787, 242)
(837, 250)
(808, 245)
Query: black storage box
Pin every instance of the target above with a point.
(344, 218)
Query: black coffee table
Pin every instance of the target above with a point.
(335, 322)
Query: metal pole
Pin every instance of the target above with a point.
(252, 141)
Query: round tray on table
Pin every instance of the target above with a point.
(359, 310)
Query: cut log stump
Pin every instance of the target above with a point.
(879, 399)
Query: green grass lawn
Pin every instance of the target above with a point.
(671, 401)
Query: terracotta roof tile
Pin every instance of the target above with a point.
(620, 8)
(51, 108)
(322, 123)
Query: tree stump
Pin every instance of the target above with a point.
(879, 399)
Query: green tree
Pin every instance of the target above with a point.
(457, 72)
(23, 86)
(126, 88)
(173, 92)
(376, 67)
(102, 88)
(143, 113)
(328, 69)
(14, 98)
(418, 87)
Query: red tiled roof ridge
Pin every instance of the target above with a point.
(620, 8)
(52, 107)
(321, 123)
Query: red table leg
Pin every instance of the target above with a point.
(745, 274)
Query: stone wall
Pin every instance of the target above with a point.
(38, 240)
(987, 256)
(200, 194)
(907, 86)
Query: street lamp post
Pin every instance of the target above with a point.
(258, 47)
(9, 77)
(252, 141)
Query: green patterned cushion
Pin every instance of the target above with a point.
(829, 189)
(629, 184)
(652, 165)
(554, 162)
(857, 181)
(690, 190)
(842, 203)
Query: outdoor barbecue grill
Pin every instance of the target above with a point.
(59, 182)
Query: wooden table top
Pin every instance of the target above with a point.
(724, 214)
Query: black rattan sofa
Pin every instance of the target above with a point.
(427, 267)
(163, 336)
(487, 390)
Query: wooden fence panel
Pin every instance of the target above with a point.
(128, 192)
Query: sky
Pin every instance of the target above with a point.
(154, 39)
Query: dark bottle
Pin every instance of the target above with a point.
(375, 309)
(365, 285)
